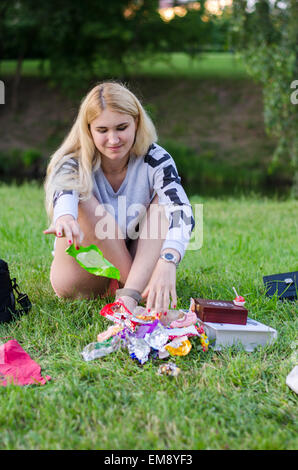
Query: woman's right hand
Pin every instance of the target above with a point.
(68, 227)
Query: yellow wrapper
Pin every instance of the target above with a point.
(182, 350)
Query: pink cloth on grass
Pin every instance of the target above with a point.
(17, 367)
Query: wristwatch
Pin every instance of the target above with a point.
(170, 258)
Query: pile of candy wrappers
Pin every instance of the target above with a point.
(148, 335)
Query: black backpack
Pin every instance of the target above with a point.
(8, 310)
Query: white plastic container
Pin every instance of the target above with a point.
(250, 336)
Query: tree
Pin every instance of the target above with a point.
(267, 37)
(83, 40)
(18, 31)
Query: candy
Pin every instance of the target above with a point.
(203, 337)
(179, 347)
(95, 350)
(138, 349)
(189, 331)
(92, 260)
(169, 369)
(144, 340)
(204, 342)
(147, 328)
(111, 331)
(171, 315)
(118, 313)
(147, 317)
(239, 300)
(158, 338)
(190, 318)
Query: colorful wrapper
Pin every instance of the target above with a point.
(188, 331)
(93, 261)
(138, 349)
(111, 331)
(190, 318)
(179, 347)
(158, 338)
(96, 350)
(169, 369)
(118, 313)
(147, 328)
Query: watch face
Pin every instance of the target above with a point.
(169, 256)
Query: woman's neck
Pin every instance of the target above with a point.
(114, 167)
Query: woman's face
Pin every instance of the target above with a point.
(113, 134)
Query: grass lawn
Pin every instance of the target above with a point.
(221, 400)
(213, 64)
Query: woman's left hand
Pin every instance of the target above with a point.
(161, 287)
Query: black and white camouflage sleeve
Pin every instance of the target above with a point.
(66, 201)
(167, 184)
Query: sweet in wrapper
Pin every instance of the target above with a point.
(144, 339)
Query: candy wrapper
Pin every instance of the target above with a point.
(203, 337)
(179, 346)
(170, 316)
(138, 348)
(158, 338)
(144, 335)
(147, 328)
(96, 350)
(190, 318)
(92, 259)
(169, 369)
(118, 313)
(111, 331)
(188, 331)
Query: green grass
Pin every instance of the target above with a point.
(207, 65)
(221, 400)
(221, 65)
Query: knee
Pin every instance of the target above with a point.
(62, 287)
(75, 284)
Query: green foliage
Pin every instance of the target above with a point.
(84, 40)
(30, 157)
(19, 164)
(267, 37)
(202, 170)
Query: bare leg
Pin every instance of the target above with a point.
(146, 249)
(68, 278)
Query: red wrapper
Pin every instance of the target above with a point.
(118, 313)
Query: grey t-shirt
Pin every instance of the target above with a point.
(155, 173)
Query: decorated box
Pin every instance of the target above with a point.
(220, 311)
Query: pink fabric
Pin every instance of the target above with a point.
(17, 367)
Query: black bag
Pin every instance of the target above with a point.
(285, 285)
(8, 308)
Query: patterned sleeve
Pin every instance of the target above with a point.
(167, 184)
(66, 201)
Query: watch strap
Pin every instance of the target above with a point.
(173, 260)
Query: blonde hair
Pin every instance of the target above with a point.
(78, 144)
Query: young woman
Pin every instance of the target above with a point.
(112, 185)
